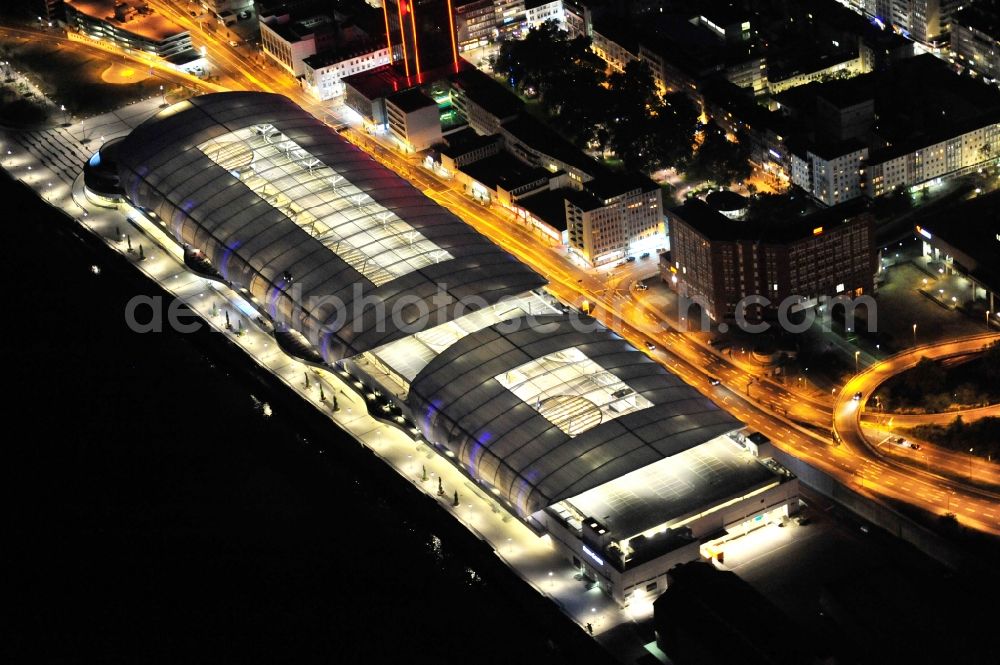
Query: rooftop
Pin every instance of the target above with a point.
(537, 136)
(333, 56)
(466, 140)
(548, 206)
(608, 186)
(488, 93)
(411, 100)
(663, 494)
(976, 235)
(376, 83)
(505, 171)
(144, 23)
(781, 223)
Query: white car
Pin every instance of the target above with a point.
(233, 43)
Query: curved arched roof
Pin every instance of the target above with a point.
(315, 229)
(484, 398)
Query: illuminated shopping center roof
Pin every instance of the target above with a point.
(547, 410)
(328, 240)
(538, 406)
(672, 491)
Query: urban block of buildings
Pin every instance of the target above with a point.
(914, 123)
(504, 156)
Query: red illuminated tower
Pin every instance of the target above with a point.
(421, 35)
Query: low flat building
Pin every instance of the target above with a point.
(414, 120)
(629, 532)
(786, 258)
(465, 147)
(504, 179)
(970, 248)
(133, 26)
(533, 143)
(544, 213)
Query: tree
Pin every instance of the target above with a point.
(307, 379)
(648, 132)
(423, 472)
(440, 487)
(719, 160)
(142, 254)
(322, 395)
(454, 501)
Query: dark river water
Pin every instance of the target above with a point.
(157, 515)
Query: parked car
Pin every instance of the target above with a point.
(630, 259)
(645, 255)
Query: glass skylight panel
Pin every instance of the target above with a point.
(572, 391)
(368, 236)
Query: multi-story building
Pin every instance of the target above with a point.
(614, 217)
(579, 21)
(832, 174)
(482, 102)
(134, 27)
(288, 41)
(323, 73)
(965, 150)
(537, 12)
(509, 16)
(613, 48)
(925, 21)
(475, 23)
(975, 38)
(414, 119)
(717, 262)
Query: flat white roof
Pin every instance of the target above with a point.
(668, 491)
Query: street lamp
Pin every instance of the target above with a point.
(857, 354)
(914, 334)
(987, 319)
(970, 463)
